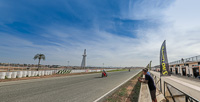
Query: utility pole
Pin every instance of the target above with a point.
(68, 63)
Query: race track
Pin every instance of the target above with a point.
(78, 88)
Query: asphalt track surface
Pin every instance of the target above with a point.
(77, 88)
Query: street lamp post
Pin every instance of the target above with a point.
(68, 63)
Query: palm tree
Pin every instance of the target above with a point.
(39, 56)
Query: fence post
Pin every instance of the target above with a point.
(160, 85)
(164, 88)
(186, 98)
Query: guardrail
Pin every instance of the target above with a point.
(191, 59)
(171, 93)
(144, 93)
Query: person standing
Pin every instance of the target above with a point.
(148, 72)
(149, 80)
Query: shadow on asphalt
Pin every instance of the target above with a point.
(97, 77)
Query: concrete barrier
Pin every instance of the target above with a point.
(19, 74)
(42, 74)
(45, 72)
(36, 73)
(14, 75)
(39, 73)
(54, 71)
(32, 73)
(2, 75)
(51, 72)
(24, 74)
(29, 73)
(8, 74)
(144, 95)
(78, 71)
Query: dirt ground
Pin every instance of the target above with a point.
(127, 93)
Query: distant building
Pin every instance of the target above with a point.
(184, 67)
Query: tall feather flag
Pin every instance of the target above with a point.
(164, 65)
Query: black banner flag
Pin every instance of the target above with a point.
(164, 65)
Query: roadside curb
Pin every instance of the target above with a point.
(103, 97)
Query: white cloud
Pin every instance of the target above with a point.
(179, 26)
(184, 14)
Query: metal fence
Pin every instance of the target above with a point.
(173, 94)
(191, 59)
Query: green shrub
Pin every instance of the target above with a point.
(6, 77)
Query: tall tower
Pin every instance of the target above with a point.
(84, 60)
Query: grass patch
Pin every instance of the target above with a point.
(122, 92)
(6, 77)
(118, 70)
(135, 92)
(129, 92)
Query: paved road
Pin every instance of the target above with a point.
(79, 88)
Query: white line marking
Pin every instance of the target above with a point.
(186, 84)
(115, 87)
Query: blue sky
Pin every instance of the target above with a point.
(114, 32)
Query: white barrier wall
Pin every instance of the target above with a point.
(42, 73)
(36, 73)
(29, 73)
(8, 74)
(39, 73)
(32, 73)
(2, 75)
(19, 74)
(14, 75)
(77, 71)
(51, 72)
(24, 74)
